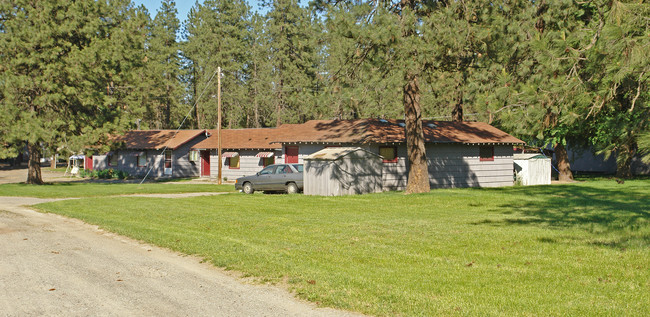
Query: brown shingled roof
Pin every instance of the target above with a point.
(392, 131)
(156, 139)
(242, 139)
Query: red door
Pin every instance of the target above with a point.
(291, 154)
(89, 163)
(205, 163)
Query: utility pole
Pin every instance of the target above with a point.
(219, 121)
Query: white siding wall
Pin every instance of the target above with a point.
(181, 164)
(450, 165)
(355, 173)
(127, 161)
(460, 166)
(248, 164)
(100, 162)
(533, 171)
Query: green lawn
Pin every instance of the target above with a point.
(75, 189)
(575, 250)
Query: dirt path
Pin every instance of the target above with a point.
(56, 266)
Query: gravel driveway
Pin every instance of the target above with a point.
(56, 266)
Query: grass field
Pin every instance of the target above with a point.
(75, 189)
(575, 250)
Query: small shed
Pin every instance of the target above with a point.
(532, 168)
(338, 171)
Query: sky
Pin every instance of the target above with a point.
(183, 6)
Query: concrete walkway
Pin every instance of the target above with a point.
(57, 266)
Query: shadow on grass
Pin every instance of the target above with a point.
(615, 216)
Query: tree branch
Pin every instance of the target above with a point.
(638, 92)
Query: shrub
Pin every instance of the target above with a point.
(104, 174)
(121, 175)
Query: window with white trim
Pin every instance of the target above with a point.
(142, 159)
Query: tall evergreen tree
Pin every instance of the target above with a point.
(61, 60)
(216, 35)
(165, 109)
(619, 74)
(294, 58)
(391, 34)
(540, 73)
(258, 69)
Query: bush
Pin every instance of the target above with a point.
(121, 175)
(105, 174)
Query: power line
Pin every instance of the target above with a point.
(181, 124)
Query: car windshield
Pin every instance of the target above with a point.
(298, 167)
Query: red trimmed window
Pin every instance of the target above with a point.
(168, 159)
(142, 159)
(233, 162)
(486, 153)
(389, 153)
(112, 159)
(266, 161)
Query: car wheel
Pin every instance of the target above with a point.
(248, 188)
(292, 188)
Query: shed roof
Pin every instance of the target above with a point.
(156, 139)
(335, 153)
(529, 156)
(242, 139)
(364, 131)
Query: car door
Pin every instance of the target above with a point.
(281, 177)
(297, 176)
(264, 179)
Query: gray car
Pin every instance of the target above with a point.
(273, 178)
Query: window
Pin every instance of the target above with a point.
(142, 159)
(233, 162)
(266, 161)
(193, 155)
(486, 153)
(389, 153)
(284, 169)
(298, 167)
(112, 159)
(267, 170)
(168, 159)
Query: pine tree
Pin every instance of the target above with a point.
(60, 61)
(390, 36)
(259, 70)
(294, 58)
(216, 35)
(620, 71)
(166, 110)
(540, 89)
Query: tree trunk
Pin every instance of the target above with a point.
(278, 108)
(168, 107)
(194, 90)
(53, 162)
(624, 160)
(34, 164)
(418, 179)
(457, 112)
(563, 164)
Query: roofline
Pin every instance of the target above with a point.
(396, 143)
(185, 142)
(238, 148)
